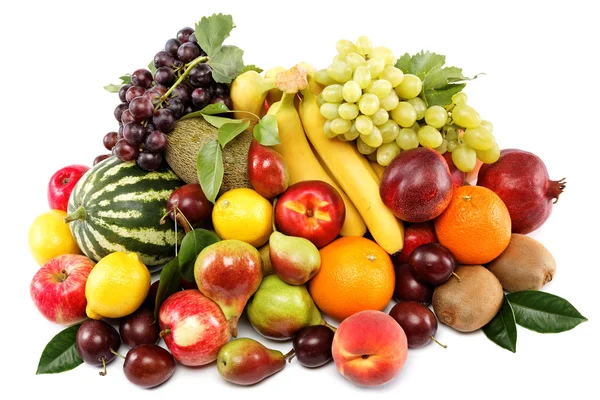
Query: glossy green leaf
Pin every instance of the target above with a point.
(60, 354)
(230, 131)
(209, 165)
(544, 312)
(212, 31)
(191, 245)
(502, 329)
(169, 283)
(212, 109)
(266, 131)
(218, 122)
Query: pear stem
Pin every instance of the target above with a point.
(290, 355)
(435, 340)
(233, 323)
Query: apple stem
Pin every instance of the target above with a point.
(456, 276)
(63, 276)
(164, 332)
(435, 340)
(79, 214)
(289, 356)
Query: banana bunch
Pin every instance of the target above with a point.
(310, 155)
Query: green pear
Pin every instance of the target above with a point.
(278, 310)
(294, 259)
(245, 361)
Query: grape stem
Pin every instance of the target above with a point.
(189, 66)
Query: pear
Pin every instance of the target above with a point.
(265, 256)
(267, 170)
(245, 361)
(278, 310)
(294, 259)
(229, 272)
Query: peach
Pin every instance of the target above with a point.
(369, 348)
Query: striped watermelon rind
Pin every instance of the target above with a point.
(117, 206)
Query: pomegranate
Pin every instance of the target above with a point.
(521, 180)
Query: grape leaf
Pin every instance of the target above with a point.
(212, 31)
(218, 122)
(217, 108)
(210, 169)
(251, 67)
(544, 312)
(266, 131)
(403, 63)
(151, 67)
(169, 283)
(60, 354)
(191, 245)
(230, 131)
(502, 329)
(112, 88)
(227, 64)
(424, 62)
(125, 78)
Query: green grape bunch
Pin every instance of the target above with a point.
(367, 99)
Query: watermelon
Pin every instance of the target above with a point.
(117, 206)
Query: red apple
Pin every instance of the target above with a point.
(58, 288)
(414, 236)
(313, 210)
(193, 326)
(369, 348)
(61, 185)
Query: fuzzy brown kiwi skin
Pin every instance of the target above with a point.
(524, 265)
(186, 140)
(469, 303)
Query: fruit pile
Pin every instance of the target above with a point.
(331, 194)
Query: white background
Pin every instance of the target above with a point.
(540, 91)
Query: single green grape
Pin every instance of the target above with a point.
(451, 145)
(429, 137)
(436, 116)
(380, 117)
(364, 148)
(416, 126)
(386, 153)
(344, 47)
(368, 104)
(410, 87)
(351, 91)
(340, 71)
(322, 77)
(330, 110)
(407, 139)
(465, 116)
(392, 74)
(479, 138)
(464, 157)
(389, 102)
(339, 126)
(355, 60)
(419, 105)
(374, 139)
(460, 97)
(442, 148)
(376, 66)
(384, 53)
(389, 131)
(333, 93)
(348, 111)
(404, 114)
(380, 88)
(364, 124)
(327, 130)
(490, 155)
(352, 134)
(339, 58)
(362, 76)
(487, 125)
(364, 46)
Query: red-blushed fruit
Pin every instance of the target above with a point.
(414, 236)
(369, 348)
(192, 202)
(58, 288)
(61, 185)
(416, 185)
(409, 288)
(312, 345)
(97, 342)
(148, 365)
(313, 210)
(458, 176)
(193, 327)
(432, 263)
(417, 321)
(520, 179)
(267, 170)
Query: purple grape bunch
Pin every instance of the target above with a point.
(146, 116)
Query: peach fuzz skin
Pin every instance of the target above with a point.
(369, 348)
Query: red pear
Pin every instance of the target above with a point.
(267, 170)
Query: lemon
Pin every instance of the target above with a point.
(50, 236)
(244, 215)
(117, 286)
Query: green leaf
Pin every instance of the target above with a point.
(191, 245)
(112, 88)
(169, 283)
(251, 67)
(544, 312)
(227, 64)
(210, 169)
(502, 329)
(442, 96)
(228, 132)
(60, 354)
(218, 122)
(266, 131)
(424, 62)
(212, 31)
(403, 63)
(151, 67)
(126, 79)
(217, 108)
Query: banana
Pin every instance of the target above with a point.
(355, 176)
(301, 161)
(248, 93)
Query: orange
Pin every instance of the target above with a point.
(476, 225)
(356, 274)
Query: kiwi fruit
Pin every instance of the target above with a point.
(469, 301)
(186, 140)
(524, 265)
